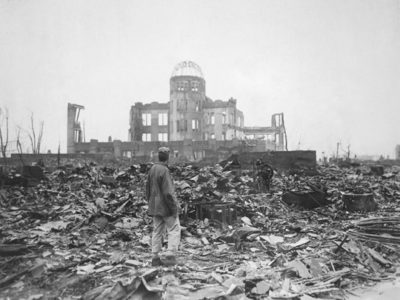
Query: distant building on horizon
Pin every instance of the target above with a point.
(397, 152)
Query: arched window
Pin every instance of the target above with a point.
(195, 86)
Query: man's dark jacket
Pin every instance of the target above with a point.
(160, 192)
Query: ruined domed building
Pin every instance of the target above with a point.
(189, 114)
(193, 125)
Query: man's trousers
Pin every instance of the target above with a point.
(171, 224)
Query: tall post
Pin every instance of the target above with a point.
(337, 150)
(74, 131)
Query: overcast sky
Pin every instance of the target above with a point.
(332, 66)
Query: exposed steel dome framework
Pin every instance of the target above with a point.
(187, 68)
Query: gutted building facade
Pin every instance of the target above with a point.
(193, 125)
(189, 114)
(74, 130)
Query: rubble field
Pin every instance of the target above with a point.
(81, 231)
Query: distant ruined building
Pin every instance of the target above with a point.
(193, 125)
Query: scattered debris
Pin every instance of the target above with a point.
(82, 230)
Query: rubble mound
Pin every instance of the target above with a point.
(82, 231)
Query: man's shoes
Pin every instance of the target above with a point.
(156, 262)
(169, 261)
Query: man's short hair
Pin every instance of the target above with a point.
(163, 154)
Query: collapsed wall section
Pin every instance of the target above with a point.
(74, 130)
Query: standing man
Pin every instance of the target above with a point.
(163, 206)
(264, 175)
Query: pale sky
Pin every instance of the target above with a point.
(332, 66)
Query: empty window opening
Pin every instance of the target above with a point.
(195, 86)
(146, 118)
(163, 137)
(212, 119)
(146, 137)
(195, 124)
(162, 119)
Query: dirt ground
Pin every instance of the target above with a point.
(382, 291)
